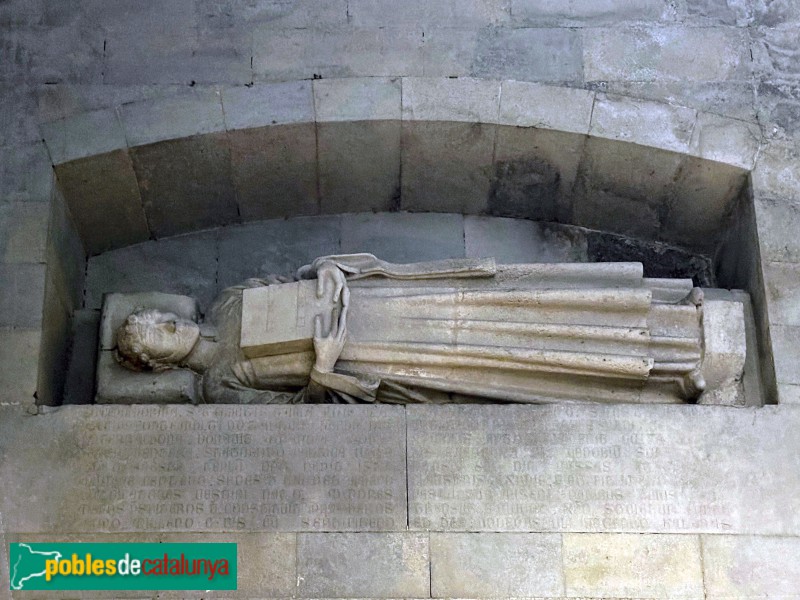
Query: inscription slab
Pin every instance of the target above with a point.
(594, 468)
(205, 468)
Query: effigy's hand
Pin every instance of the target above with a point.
(328, 274)
(329, 348)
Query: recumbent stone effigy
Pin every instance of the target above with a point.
(353, 328)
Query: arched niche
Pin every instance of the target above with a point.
(656, 175)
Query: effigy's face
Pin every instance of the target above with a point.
(162, 337)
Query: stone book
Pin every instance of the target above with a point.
(279, 319)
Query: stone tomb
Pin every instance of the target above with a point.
(549, 468)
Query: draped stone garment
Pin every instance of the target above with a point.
(529, 333)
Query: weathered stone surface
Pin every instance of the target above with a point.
(549, 107)
(104, 201)
(702, 202)
(56, 331)
(268, 104)
(449, 52)
(360, 565)
(643, 122)
(512, 241)
(82, 135)
(788, 393)
(26, 174)
(553, 12)
(750, 567)
(783, 293)
(722, 12)
(447, 167)
(66, 256)
(274, 247)
(453, 13)
(359, 166)
(490, 565)
(775, 52)
(205, 47)
(529, 54)
(357, 99)
(624, 468)
(779, 106)
(80, 376)
(23, 232)
(280, 55)
(665, 53)
(119, 386)
(21, 294)
(777, 171)
(462, 99)
(19, 355)
(274, 171)
(725, 140)
(777, 235)
(534, 173)
(186, 184)
(182, 265)
(785, 353)
(646, 566)
(172, 117)
(404, 237)
(209, 469)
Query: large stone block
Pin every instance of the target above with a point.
(213, 469)
(534, 173)
(82, 135)
(274, 171)
(596, 468)
(172, 117)
(104, 201)
(529, 54)
(422, 13)
(775, 52)
(638, 566)
(449, 52)
(779, 106)
(404, 237)
(730, 141)
(280, 55)
(362, 565)
(357, 99)
(186, 184)
(23, 232)
(17, 119)
(19, 357)
(553, 12)
(259, 105)
(462, 99)
(519, 241)
(534, 105)
(447, 167)
(491, 565)
(777, 171)
(783, 292)
(359, 166)
(665, 53)
(204, 45)
(278, 247)
(777, 233)
(185, 265)
(719, 12)
(298, 14)
(643, 122)
(750, 567)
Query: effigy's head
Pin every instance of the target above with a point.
(151, 339)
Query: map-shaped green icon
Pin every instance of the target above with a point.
(26, 563)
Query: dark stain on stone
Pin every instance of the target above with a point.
(525, 188)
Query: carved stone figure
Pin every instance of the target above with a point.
(352, 328)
